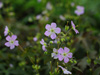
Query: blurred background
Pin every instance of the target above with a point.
(27, 19)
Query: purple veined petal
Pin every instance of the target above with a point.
(53, 36)
(76, 31)
(66, 60)
(14, 37)
(16, 43)
(48, 27)
(69, 55)
(53, 25)
(44, 49)
(42, 41)
(54, 50)
(12, 46)
(66, 50)
(57, 30)
(73, 25)
(60, 57)
(7, 44)
(61, 51)
(47, 33)
(8, 38)
(77, 12)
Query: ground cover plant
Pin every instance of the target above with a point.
(49, 37)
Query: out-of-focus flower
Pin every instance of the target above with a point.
(11, 65)
(52, 30)
(62, 17)
(38, 17)
(56, 40)
(6, 31)
(43, 45)
(72, 4)
(49, 6)
(45, 12)
(65, 71)
(39, 0)
(80, 10)
(55, 53)
(64, 54)
(1, 4)
(73, 26)
(35, 39)
(12, 42)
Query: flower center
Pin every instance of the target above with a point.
(56, 53)
(52, 30)
(64, 54)
(45, 44)
(11, 42)
(79, 10)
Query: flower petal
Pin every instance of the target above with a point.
(7, 44)
(48, 27)
(53, 25)
(14, 37)
(61, 51)
(57, 30)
(69, 55)
(12, 46)
(47, 33)
(60, 57)
(53, 36)
(8, 38)
(42, 41)
(66, 49)
(16, 43)
(66, 60)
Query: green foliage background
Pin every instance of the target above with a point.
(20, 17)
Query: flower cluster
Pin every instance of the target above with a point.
(62, 54)
(12, 42)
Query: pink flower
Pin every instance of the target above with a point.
(80, 10)
(12, 42)
(55, 53)
(35, 39)
(43, 45)
(73, 26)
(65, 71)
(52, 30)
(6, 31)
(64, 54)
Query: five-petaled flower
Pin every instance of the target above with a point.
(12, 42)
(80, 10)
(43, 44)
(6, 31)
(73, 26)
(64, 54)
(55, 53)
(65, 71)
(52, 30)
